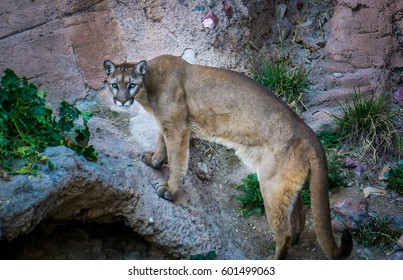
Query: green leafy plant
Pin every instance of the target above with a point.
(337, 179)
(306, 194)
(251, 199)
(330, 139)
(289, 82)
(395, 178)
(368, 122)
(27, 126)
(377, 232)
(209, 256)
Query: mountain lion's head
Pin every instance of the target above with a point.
(124, 81)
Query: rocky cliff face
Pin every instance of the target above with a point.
(344, 44)
(365, 44)
(62, 44)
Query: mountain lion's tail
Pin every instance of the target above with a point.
(321, 212)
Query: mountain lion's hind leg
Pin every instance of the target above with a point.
(156, 159)
(283, 205)
(277, 205)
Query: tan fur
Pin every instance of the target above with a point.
(232, 109)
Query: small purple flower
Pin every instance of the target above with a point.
(358, 168)
(398, 95)
(349, 162)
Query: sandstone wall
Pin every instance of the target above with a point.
(365, 44)
(62, 44)
(344, 44)
(363, 50)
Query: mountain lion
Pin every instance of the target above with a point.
(231, 109)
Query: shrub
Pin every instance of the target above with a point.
(335, 174)
(395, 178)
(289, 82)
(368, 122)
(377, 232)
(212, 255)
(251, 200)
(330, 139)
(27, 126)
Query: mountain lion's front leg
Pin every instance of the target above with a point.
(177, 145)
(156, 159)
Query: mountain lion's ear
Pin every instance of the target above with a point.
(109, 67)
(141, 68)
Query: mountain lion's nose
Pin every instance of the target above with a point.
(126, 102)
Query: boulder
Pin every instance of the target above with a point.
(348, 208)
(362, 36)
(79, 190)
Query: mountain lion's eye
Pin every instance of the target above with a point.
(132, 85)
(115, 85)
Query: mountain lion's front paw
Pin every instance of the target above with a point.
(149, 160)
(163, 191)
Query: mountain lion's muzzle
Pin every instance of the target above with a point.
(126, 102)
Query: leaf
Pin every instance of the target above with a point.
(82, 134)
(27, 126)
(212, 255)
(251, 200)
(41, 94)
(90, 153)
(66, 109)
(40, 110)
(66, 123)
(41, 119)
(86, 116)
(10, 79)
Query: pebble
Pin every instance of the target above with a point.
(307, 23)
(189, 55)
(365, 254)
(202, 166)
(281, 10)
(211, 3)
(397, 255)
(373, 191)
(337, 75)
(228, 9)
(400, 242)
(210, 20)
(384, 174)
